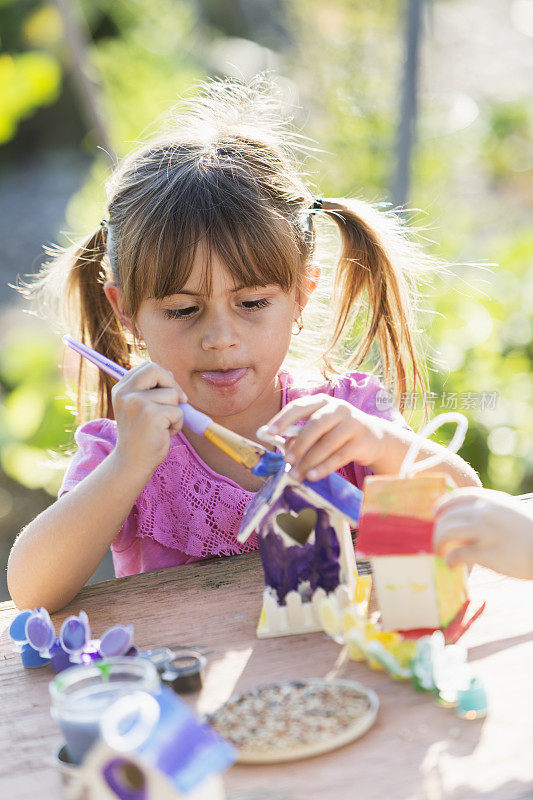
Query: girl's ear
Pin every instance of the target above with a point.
(308, 285)
(116, 298)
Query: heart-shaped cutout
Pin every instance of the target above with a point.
(299, 527)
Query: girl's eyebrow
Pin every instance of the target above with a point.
(201, 294)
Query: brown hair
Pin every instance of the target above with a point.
(227, 179)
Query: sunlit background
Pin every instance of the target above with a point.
(425, 104)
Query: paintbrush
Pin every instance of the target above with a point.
(249, 454)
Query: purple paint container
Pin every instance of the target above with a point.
(81, 694)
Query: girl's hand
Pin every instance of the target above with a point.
(335, 434)
(145, 402)
(481, 526)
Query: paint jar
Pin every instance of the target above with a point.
(184, 672)
(69, 773)
(159, 656)
(81, 694)
(472, 701)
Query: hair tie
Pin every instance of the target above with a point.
(317, 203)
(103, 227)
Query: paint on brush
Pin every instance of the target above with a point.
(268, 464)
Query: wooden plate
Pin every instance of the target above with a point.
(295, 719)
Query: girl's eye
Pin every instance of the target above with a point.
(180, 313)
(253, 305)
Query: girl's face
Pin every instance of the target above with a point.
(224, 349)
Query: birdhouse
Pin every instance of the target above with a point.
(153, 748)
(415, 588)
(303, 530)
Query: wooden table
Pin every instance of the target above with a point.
(415, 751)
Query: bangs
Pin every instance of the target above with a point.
(214, 213)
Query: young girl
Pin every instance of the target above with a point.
(205, 262)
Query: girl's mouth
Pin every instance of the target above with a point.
(226, 377)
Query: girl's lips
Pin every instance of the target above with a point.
(224, 377)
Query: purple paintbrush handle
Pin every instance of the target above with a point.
(193, 419)
(105, 364)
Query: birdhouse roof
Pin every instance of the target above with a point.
(331, 492)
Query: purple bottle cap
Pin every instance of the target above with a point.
(40, 631)
(75, 633)
(116, 641)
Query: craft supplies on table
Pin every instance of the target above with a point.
(150, 746)
(222, 607)
(423, 605)
(94, 677)
(415, 589)
(81, 694)
(428, 661)
(183, 671)
(303, 531)
(34, 638)
(291, 720)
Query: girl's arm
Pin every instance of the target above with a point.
(395, 441)
(56, 553)
(337, 433)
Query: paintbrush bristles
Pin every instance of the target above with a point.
(242, 450)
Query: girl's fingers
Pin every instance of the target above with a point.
(466, 554)
(318, 426)
(458, 497)
(296, 410)
(149, 376)
(164, 397)
(323, 446)
(331, 464)
(457, 529)
(172, 414)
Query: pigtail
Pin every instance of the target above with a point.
(68, 292)
(375, 261)
(91, 313)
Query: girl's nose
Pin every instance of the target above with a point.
(220, 334)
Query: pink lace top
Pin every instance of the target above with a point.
(187, 511)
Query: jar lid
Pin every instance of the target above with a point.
(122, 673)
(187, 662)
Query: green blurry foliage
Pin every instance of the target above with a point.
(342, 60)
(27, 81)
(147, 65)
(507, 148)
(30, 72)
(35, 425)
(471, 175)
